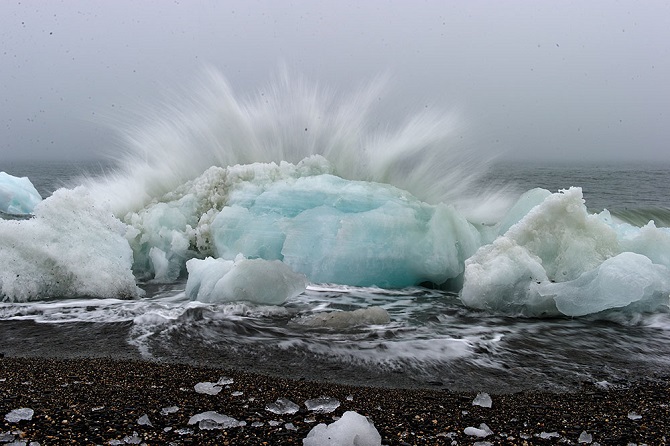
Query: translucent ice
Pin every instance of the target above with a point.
(323, 404)
(623, 280)
(268, 282)
(350, 430)
(144, 420)
(17, 415)
(17, 195)
(323, 226)
(347, 232)
(481, 432)
(585, 437)
(282, 406)
(207, 388)
(559, 259)
(77, 248)
(483, 400)
(214, 420)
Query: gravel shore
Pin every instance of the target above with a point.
(104, 401)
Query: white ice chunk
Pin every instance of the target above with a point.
(283, 406)
(17, 195)
(207, 388)
(483, 400)
(350, 430)
(323, 404)
(169, 410)
(634, 416)
(17, 415)
(214, 420)
(559, 259)
(225, 381)
(521, 208)
(268, 282)
(481, 432)
(548, 435)
(76, 248)
(144, 420)
(585, 437)
(132, 439)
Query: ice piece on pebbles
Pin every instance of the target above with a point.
(481, 432)
(483, 400)
(322, 405)
(585, 437)
(603, 385)
(548, 435)
(214, 420)
(290, 427)
(237, 394)
(208, 388)
(144, 420)
(184, 431)
(17, 415)
(132, 439)
(482, 443)
(350, 397)
(282, 406)
(634, 416)
(257, 424)
(352, 429)
(225, 381)
(274, 423)
(169, 410)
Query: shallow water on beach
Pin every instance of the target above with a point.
(431, 341)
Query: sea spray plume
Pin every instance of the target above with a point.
(288, 120)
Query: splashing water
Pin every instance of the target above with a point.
(290, 120)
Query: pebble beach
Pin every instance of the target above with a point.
(113, 401)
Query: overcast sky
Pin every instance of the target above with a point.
(580, 80)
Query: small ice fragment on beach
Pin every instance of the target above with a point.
(290, 427)
(144, 420)
(603, 385)
(97, 408)
(282, 406)
(585, 437)
(257, 424)
(214, 420)
(322, 405)
(17, 415)
(207, 388)
(167, 429)
(184, 431)
(237, 393)
(548, 435)
(483, 400)
(482, 443)
(482, 432)
(225, 381)
(132, 439)
(350, 397)
(274, 423)
(352, 429)
(634, 416)
(169, 410)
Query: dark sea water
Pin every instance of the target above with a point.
(433, 340)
